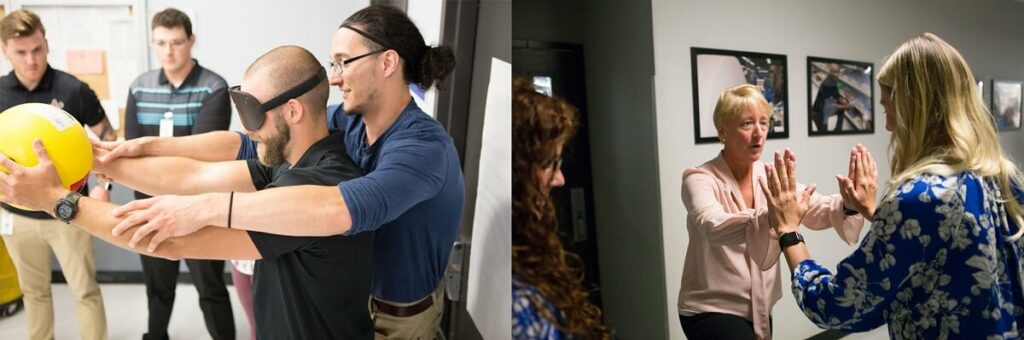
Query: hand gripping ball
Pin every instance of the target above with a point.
(64, 138)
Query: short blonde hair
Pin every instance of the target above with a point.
(20, 23)
(735, 99)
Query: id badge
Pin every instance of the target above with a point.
(6, 223)
(167, 125)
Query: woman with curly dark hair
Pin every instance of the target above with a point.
(548, 297)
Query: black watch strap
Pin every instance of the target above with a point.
(850, 212)
(67, 207)
(789, 239)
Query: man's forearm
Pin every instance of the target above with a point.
(306, 210)
(177, 175)
(210, 147)
(154, 175)
(96, 217)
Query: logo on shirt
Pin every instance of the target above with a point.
(57, 104)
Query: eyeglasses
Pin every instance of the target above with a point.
(552, 164)
(338, 67)
(174, 44)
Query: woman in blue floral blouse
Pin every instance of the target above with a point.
(943, 258)
(548, 297)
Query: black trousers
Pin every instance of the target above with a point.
(161, 277)
(719, 326)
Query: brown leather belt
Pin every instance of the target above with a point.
(404, 311)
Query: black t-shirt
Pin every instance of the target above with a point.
(312, 287)
(61, 90)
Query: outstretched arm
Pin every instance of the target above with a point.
(96, 217)
(39, 188)
(210, 147)
(178, 175)
(408, 173)
(323, 213)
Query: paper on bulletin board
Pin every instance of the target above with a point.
(489, 295)
(85, 62)
(90, 66)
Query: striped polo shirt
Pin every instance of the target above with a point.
(201, 104)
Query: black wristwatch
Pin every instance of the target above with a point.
(849, 212)
(789, 239)
(67, 207)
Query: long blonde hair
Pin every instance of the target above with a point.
(942, 126)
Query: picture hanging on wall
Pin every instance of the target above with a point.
(716, 70)
(984, 93)
(1006, 103)
(840, 97)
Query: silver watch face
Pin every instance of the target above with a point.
(64, 211)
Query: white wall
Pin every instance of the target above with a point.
(988, 33)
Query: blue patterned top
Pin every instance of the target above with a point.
(937, 263)
(527, 322)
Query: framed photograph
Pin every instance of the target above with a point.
(983, 92)
(840, 97)
(1006, 103)
(717, 70)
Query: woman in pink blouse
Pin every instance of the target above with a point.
(730, 278)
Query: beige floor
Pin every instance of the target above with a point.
(126, 314)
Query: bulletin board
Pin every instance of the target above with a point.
(5, 67)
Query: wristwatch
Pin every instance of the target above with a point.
(789, 239)
(67, 207)
(849, 212)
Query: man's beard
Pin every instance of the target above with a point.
(273, 147)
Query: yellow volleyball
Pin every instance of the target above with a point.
(65, 140)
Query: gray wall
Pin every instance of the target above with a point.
(618, 54)
(987, 32)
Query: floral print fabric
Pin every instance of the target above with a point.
(937, 263)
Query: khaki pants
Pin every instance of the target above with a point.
(423, 326)
(30, 247)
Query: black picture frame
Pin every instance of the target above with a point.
(1007, 101)
(726, 68)
(846, 106)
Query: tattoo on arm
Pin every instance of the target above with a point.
(106, 132)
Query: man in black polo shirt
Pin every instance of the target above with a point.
(30, 236)
(304, 287)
